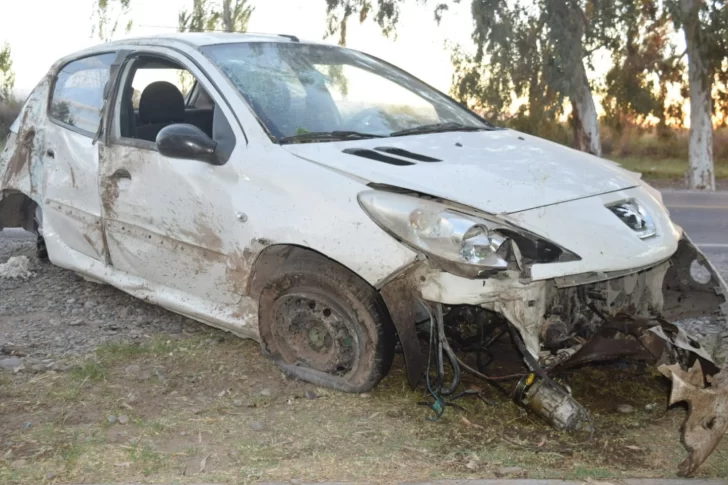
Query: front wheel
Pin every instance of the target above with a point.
(323, 324)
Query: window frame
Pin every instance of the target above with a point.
(112, 131)
(125, 71)
(52, 91)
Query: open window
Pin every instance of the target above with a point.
(157, 92)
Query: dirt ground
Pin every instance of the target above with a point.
(146, 396)
(208, 407)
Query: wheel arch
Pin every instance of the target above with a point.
(17, 209)
(268, 263)
(397, 297)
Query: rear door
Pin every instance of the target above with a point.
(72, 206)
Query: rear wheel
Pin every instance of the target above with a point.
(322, 323)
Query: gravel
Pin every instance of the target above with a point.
(56, 315)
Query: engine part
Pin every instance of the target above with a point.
(552, 403)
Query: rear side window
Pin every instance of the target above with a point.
(79, 92)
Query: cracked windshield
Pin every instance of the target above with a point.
(300, 89)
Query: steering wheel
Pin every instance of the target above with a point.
(368, 120)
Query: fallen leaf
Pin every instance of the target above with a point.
(543, 442)
(633, 447)
(203, 463)
(470, 424)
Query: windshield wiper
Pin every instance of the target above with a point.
(439, 128)
(327, 136)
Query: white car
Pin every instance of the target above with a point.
(330, 205)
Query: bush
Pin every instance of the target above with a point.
(9, 110)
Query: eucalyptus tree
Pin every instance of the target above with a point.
(705, 26)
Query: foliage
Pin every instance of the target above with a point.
(7, 76)
(385, 13)
(202, 17)
(235, 18)
(108, 16)
(532, 56)
(9, 111)
(206, 16)
(645, 64)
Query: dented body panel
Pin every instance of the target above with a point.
(202, 239)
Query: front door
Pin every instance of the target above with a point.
(168, 220)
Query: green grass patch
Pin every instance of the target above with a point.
(146, 459)
(667, 168)
(90, 370)
(114, 352)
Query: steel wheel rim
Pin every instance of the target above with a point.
(312, 329)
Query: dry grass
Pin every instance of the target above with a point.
(660, 157)
(665, 169)
(191, 402)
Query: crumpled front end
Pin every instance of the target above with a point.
(673, 313)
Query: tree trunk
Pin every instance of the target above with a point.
(567, 22)
(227, 16)
(701, 174)
(586, 121)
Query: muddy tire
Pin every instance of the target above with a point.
(323, 324)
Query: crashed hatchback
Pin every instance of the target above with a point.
(333, 207)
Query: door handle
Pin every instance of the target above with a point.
(121, 173)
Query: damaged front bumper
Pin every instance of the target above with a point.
(673, 313)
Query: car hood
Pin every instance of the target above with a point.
(499, 171)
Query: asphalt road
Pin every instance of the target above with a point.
(704, 217)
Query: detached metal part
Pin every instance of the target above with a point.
(707, 419)
(696, 302)
(552, 403)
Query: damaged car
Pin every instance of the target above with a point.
(335, 208)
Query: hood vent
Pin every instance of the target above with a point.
(400, 152)
(379, 157)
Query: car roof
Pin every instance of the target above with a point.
(198, 39)
(193, 39)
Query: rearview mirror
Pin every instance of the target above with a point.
(183, 140)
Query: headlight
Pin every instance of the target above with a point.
(462, 243)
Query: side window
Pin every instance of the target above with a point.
(154, 97)
(78, 93)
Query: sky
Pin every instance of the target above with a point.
(61, 27)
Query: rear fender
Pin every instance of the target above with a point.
(21, 162)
